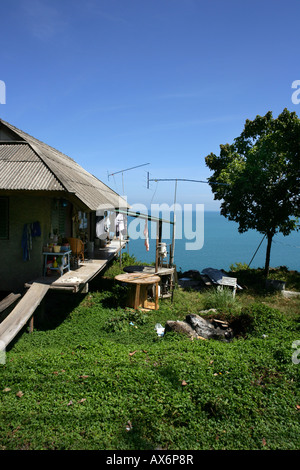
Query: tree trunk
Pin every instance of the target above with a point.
(268, 253)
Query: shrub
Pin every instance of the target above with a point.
(125, 320)
(238, 267)
(258, 319)
(221, 299)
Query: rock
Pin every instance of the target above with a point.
(213, 329)
(180, 327)
(202, 327)
(289, 294)
(197, 327)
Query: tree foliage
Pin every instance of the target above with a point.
(261, 169)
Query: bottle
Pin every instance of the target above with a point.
(54, 263)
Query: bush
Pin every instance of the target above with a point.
(221, 299)
(259, 319)
(127, 260)
(126, 319)
(238, 267)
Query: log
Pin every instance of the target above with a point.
(180, 327)
(213, 329)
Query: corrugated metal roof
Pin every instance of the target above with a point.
(27, 176)
(64, 171)
(22, 169)
(18, 153)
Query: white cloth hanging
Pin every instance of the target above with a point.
(146, 234)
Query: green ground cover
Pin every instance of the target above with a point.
(95, 375)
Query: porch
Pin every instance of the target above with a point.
(76, 280)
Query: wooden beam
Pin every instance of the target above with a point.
(8, 301)
(23, 311)
(31, 322)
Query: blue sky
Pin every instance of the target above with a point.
(119, 83)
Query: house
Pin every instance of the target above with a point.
(43, 194)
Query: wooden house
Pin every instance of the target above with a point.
(44, 194)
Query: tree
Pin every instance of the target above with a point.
(260, 176)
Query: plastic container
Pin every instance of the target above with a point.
(159, 329)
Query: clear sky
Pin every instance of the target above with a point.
(119, 83)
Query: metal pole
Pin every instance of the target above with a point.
(174, 225)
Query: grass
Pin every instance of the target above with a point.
(94, 375)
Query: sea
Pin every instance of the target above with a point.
(216, 244)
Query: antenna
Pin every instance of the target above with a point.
(122, 171)
(179, 179)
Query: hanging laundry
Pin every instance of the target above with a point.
(102, 226)
(29, 231)
(146, 234)
(119, 224)
(26, 242)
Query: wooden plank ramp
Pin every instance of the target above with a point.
(23, 311)
(8, 301)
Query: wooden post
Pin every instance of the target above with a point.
(156, 252)
(31, 324)
(158, 241)
(156, 296)
(173, 242)
(137, 296)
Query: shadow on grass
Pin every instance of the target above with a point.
(52, 311)
(55, 308)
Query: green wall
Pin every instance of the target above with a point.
(23, 209)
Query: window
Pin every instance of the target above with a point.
(4, 218)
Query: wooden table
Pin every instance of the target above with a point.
(167, 277)
(138, 292)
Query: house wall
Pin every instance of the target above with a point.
(23, 209)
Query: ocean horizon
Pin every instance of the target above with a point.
(222, 245)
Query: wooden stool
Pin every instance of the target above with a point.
(138, 292)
